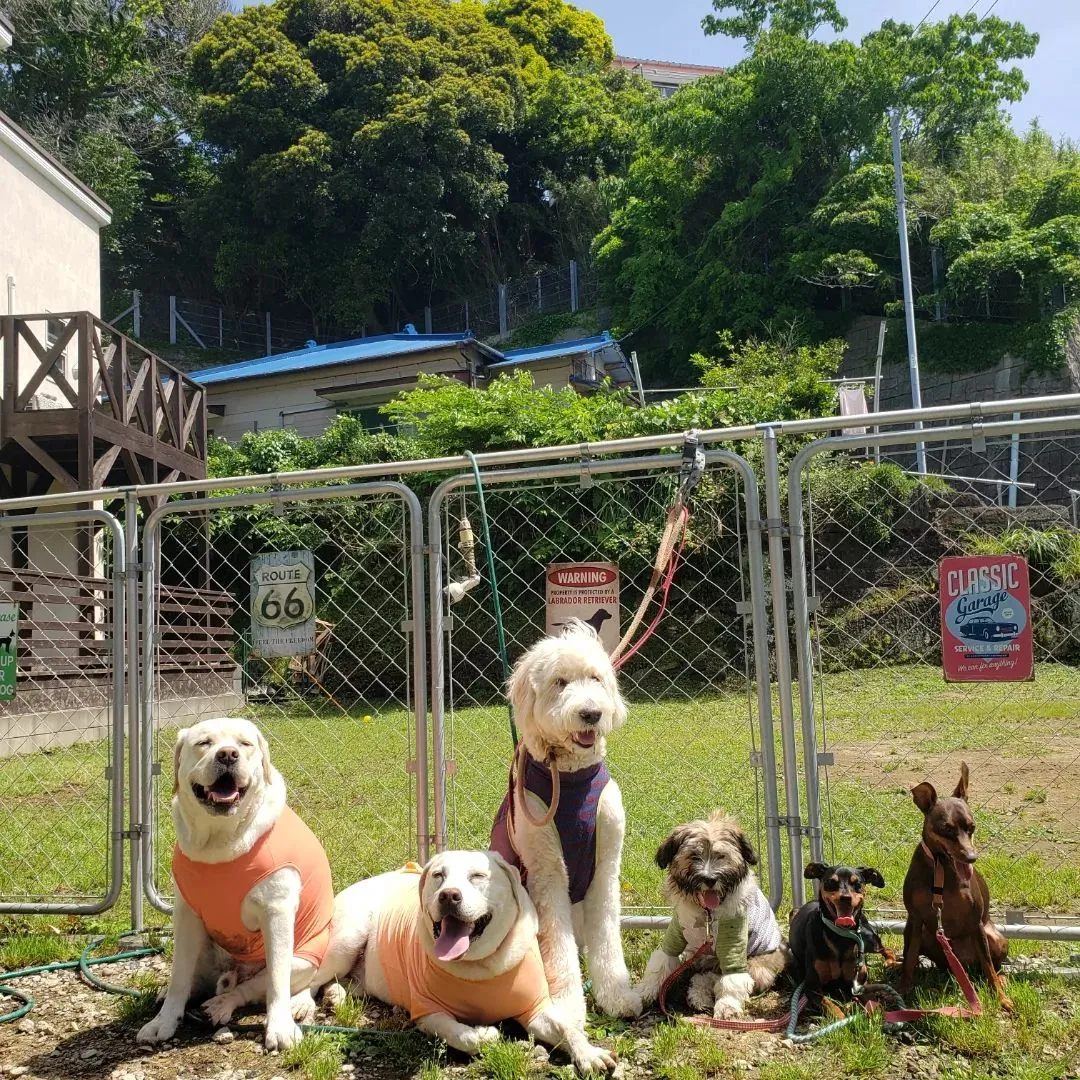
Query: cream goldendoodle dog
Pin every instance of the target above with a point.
(566, 701)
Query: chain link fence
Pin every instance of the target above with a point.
(61, 712)
(342, 720)
(873, 535)
(691, 743)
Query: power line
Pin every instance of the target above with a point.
(929, 13)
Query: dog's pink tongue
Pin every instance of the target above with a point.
(846, 921)
(453, 939)
(710, 899)
(217, 797)
(964, 870)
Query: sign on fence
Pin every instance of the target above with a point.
(986, 618)
(586, 591)
(9, 650)
(283, 603)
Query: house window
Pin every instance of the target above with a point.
(666, 89)
(371, 419)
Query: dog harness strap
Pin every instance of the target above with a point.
(938, 888)
(574, 819)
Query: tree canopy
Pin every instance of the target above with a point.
(758, 191)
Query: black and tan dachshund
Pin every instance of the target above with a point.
(826, 957)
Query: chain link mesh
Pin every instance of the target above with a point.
(687, 745)
(339, 722)
(875, 534)
(56, 727)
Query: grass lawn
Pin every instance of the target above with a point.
(888, 729)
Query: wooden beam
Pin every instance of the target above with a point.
(48, 462)
(46, 363)
(38, 422)
(133, 400)
(104, 464)
(105, 427)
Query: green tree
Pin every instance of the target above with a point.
(103, 85)
(370, 152)
(756, 189)
(752, 18)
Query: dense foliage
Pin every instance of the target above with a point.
(766, 193)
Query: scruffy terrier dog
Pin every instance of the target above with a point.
(715, 893)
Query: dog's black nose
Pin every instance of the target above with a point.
(450, 896)
(971, 856)
(228, 755)
(590, 716)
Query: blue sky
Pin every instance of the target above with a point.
(671, 30)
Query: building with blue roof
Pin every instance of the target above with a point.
(306, 388)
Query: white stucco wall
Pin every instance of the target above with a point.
(49, 243)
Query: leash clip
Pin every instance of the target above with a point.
(693, 465)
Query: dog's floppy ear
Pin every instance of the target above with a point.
(527, 918)
(872, 876)
(815, 871)
(264, 749)
(962, 786)
(520, 690)
(667, 851)
(925, 796)
(746, 848)
(178, 749)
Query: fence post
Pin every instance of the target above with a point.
(136, 311)
(136, 777)
(466, 326)
(269, 342)
(782, 646)
(539, 293)
(221, 327)
(172, 320)
(503, 330)
(427, 319)
(573, 285)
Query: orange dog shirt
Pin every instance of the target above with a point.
(215, 891)
(417, 983)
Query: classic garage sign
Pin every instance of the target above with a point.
(986, 619)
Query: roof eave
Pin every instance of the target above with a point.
(24, 144)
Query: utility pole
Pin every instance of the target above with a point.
(909, 296)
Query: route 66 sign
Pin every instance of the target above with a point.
(283, 603)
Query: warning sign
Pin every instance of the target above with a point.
(586, 591)
(986, 619)
(9, 649)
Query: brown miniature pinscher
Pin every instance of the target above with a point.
(943, 867)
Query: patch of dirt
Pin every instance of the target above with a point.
(1029, 792)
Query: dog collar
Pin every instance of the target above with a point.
(939, 874)
(842, 931)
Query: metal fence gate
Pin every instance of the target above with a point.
(795, 679)
(700, 684)
(347, 726)
(62, 742)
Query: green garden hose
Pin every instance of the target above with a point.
(500, 628)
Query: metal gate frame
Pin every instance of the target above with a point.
(142, 802)
(115, 870)
(759, 631)
(976, 430)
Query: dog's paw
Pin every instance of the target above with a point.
(475, 1037)
(624, 1001)
(727, 1008)
(158, 1030)
(282, 1033)
(220, 1009)
(302, 1007)
(334, 995)
(699, 995)
(592, 1060)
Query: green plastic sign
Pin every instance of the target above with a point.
(9, 650)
